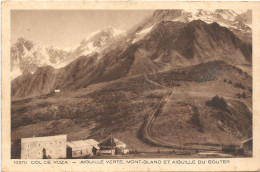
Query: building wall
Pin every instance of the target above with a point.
(121, 146)
(16, 149)
(82, 151)
(107, 151)
(55, 146)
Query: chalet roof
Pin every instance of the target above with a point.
(83, 143)
(45, 138)
(69, 144)
(111, 142)
(91, 142)
(79, 143)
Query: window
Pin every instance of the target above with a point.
(28, 146)
(39, 144)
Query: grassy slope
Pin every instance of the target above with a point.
(121, 104)
(185, 118)
(91, 112)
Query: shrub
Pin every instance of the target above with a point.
(239, 85)
(230, 82)
(217, 102)
(195, 120)
(225, 80)
(243, 95)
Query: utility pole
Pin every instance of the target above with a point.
(111, 143)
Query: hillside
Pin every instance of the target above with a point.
(195, 42)
(125, 103)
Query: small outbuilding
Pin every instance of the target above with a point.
(81, 148)
(113, 146)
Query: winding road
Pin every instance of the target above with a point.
(147, 135)
(147, 125)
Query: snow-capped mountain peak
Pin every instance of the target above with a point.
(210, 16)
(26, 56)
(238, 23)
(107, 32)
(97, 41)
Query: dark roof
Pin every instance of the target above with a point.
(111, 142)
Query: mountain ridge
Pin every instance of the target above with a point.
(26, 56)
(167, 44)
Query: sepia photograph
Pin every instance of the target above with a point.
(126, 84)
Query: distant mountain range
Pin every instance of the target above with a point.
(167, 39)
(26, 56)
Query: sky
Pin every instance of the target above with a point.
(67, 28)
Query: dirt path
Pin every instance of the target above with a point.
(147, 125)
(155, 83)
